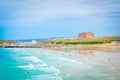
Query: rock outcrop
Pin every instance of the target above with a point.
(86, 35)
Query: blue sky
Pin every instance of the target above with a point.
(33, 19)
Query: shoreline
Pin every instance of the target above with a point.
(63, 47)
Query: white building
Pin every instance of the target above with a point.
(34, 42)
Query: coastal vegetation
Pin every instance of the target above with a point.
(97, 44)
(4, 41)
(89, 42)
(75, 41)
(103, 44)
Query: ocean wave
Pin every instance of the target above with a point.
(48, 69)
(33, 59)
(30, 66)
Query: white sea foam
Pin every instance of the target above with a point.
(47, 77)
(70, 60)
(35, 59)
(49, 69)
(32, 58)
(30, 66)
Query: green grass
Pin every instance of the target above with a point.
(74, 43)
(101, 40)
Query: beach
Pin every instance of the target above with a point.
(96, 47)
(52, 61)
(44, 64)
(59, 39)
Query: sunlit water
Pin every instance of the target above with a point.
(42, 64)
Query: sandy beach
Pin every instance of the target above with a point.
(97, 47)
(44, 64)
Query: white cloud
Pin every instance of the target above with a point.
(35, 12)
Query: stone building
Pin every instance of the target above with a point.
(86, 35)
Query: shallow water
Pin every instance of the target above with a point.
(42, 64)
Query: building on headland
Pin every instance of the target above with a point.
(86, 35)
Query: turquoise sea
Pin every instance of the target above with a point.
(43, 64)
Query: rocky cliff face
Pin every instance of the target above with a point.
(86, 35)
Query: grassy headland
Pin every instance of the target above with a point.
(83, 41)
(103, 44)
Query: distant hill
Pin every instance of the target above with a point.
(4, 41)
(28, 40)
(39, 40)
